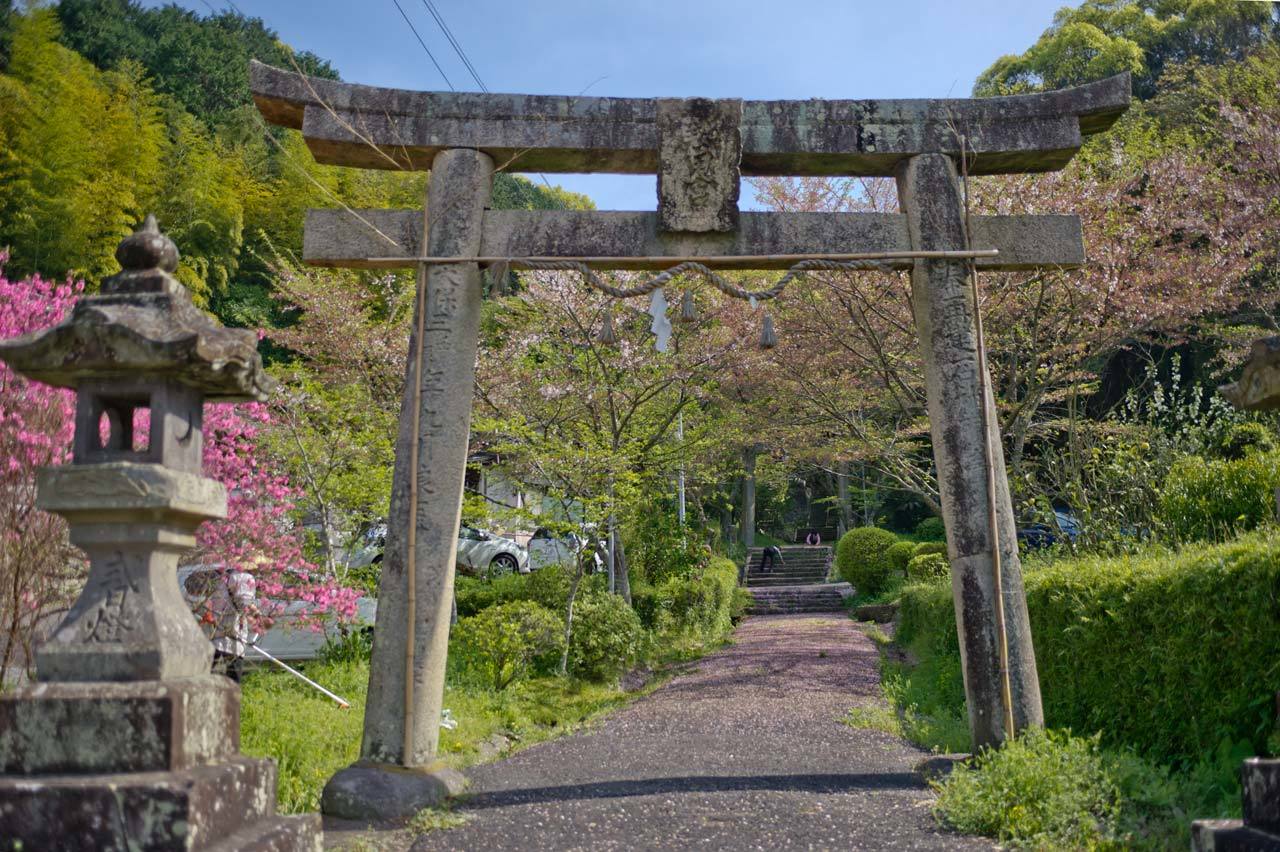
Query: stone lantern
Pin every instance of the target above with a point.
(127, 741)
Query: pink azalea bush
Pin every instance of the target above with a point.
(39, 570)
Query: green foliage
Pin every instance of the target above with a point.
(83, 154)
(1207, 499)
(898, 555)
(606, 637)
(1058, 791)
(203, 63)
(1241, 439)
(355, 645)
(507, 641)
(109, 111)
(1043, 789)
(549, 586)
(1104, 37)
(861, 559)
(474, 594)
(337, 445)
(927, 567)
(1158, 651)
(516, 192)
(931, 529)
(701, 608)
(660, 547)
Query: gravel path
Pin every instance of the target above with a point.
(745, 751)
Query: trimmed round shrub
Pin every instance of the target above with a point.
(932, 529)
(1204, 499)
(926, 547)
(861, 559)
(504, 643)
(606, 637)
(899, 554)
(928, 567)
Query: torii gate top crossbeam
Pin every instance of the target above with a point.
(371, 127)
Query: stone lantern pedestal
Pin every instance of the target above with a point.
(127, 741)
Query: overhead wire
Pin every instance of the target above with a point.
(462, 54)
(457, 48)
(430, 55)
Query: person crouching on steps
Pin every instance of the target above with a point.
(771, 556)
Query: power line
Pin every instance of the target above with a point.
(430, 55)
(457, 48)
(462, 54)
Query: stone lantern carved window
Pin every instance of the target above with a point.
(107, 423)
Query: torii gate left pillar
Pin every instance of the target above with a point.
(698, 148)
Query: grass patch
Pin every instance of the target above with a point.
(428, 820)
(310, 737)
(874, 717)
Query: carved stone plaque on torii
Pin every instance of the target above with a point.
(699, 149)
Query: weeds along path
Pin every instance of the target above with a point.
(744, 751)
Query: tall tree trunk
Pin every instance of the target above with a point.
(845, 519)
(623, 572)
(748, 517)
(568, 607)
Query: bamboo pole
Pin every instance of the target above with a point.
(706, 260)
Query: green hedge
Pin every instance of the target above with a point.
(861, 559)
(1207, 499)
(1173, 653)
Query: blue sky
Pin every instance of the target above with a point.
(711, 48)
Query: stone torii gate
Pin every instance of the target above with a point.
(699, 149)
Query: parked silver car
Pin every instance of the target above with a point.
(545, 549)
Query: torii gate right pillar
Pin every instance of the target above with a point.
(946, 320)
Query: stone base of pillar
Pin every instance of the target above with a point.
(1231, 835)
(379, 791)
(138, 765)
(1259, 831)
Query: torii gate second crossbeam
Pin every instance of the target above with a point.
(699, 149)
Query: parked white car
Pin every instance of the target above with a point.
(487, 554)
(291, 636)
(480, 552)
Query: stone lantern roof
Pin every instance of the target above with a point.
(143, 325)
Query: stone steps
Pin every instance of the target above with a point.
(800, 566)
(766, 581)
(816, 597)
